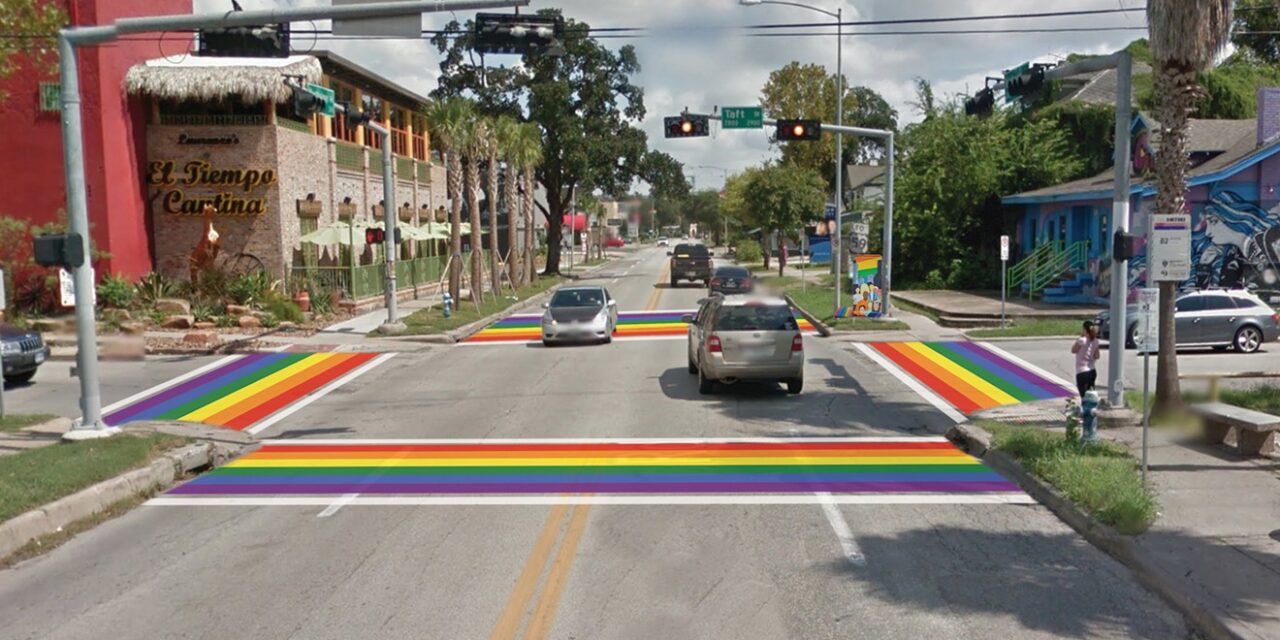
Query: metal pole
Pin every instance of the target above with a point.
(1120, 223)
(573, 220)
(1004, 269)
(886, 265)
(389, 245)
(837, 254)
(1146, 412)
(90, 424)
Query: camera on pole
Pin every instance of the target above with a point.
(687, 126)
(504, 33)
(799, 130)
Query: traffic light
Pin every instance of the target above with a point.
(981, 104)
(687, 126)
(512, 33)
(354, 118)
(799, 130)
(59, 250)
(305, 103)
(1028, 84)
(265, 41)
(374, 236)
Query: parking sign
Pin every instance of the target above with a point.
(1004, 248)
(1147, 338)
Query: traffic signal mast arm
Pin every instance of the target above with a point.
(879, 134)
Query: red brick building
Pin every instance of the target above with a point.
(31, 171)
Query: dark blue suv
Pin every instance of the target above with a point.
(22, 352)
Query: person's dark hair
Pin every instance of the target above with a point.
(1088, 324)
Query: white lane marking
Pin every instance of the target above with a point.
(639, 500)
(168, 385)
(762, 440)
(338, 504)
(320, 393)
(614, 281)
(1054, 378)
(844, 534)
(923, 391)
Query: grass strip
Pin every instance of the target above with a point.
(1102, 478)
(35, 477)
(1034, 327)
(15, 421)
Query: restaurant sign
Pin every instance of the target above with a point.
(238, 192)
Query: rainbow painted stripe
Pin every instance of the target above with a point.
(243, 391)
(631, 324)
(887, 465)
(867, 266)
(969, 375)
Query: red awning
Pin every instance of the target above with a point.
(579, 221)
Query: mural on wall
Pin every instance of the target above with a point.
(864, 272)
(1235, 242)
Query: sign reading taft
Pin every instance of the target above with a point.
(240, 195)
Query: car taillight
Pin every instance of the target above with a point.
(797, 343)
(713, 344)
(746, 282)
(715, 282)
(1275, 317)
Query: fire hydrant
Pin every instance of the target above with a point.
(1089, 415)
(448, 305)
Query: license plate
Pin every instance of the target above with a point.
(759, 353)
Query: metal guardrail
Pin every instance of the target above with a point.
(366, 280)
(1046, 265)
(349, 156)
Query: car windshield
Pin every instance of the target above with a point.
(578, 298)
(756, 318)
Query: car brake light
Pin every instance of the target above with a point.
(715, 281)
(713, 343)
(1275, 317)
(746, 282)
(797, 343)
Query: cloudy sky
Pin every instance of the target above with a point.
(704, 69)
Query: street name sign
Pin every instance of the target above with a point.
(742, 118)
(326, 95)
(1169, 247)
(1009, 75)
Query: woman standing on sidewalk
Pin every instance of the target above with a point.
(1086, 350)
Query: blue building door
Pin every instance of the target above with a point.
(1080, 227)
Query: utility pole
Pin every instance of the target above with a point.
(90, 424)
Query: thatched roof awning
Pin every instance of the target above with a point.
(213, 78)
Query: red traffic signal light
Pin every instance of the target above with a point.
(799, 130)
(374, 236)
(689, 126)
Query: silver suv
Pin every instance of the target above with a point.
(745, 338)
(1218, 318)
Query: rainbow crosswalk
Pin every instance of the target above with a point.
(673, 467)
(970, 376)
(242, 390)
(631, 325)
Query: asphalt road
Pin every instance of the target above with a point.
(600, 571)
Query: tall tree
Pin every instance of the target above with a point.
(447, 121)
(38, 19)
(507, 132)
(473, 138)
(1185, 38)
(584, 103)
(491, 152)
(808, 91)
(1257, 30)
(528, 155)
(780, 198)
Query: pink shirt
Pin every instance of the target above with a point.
(1087, 355)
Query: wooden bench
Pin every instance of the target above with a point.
(1254, 429)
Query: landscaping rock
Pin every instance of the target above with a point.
(178, 322)
(237, 310)
(48, 325)
(250, 322)
(133, 327)
(201, 337)
(286, 326)
(204, 325)
(175, 306)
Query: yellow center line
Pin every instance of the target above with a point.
(509, 622)
(656, 296)
(545, 613)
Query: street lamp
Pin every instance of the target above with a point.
(838, 14)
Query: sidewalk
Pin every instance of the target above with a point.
(32, 437)
(1217, 538)
(986, 304)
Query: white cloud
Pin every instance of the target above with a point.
(705, 68)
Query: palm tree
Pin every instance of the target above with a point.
(1186, 35)
(507, 130)
(446, 121)
(492, 152)
(473, 149)
(528, 155)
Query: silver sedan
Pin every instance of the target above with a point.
(579, 314)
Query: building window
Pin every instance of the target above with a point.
(399, 134)
(1104, 233)
(343, 93)
(50, 97)
(372, 105)
(419, 137)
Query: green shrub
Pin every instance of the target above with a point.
(212, 283)
(248, 288)
(202, 311)
(321, 301)
(281, 307)
(749, 251)
(115, 292)
(269, 320)
(153, 287)
(225, 322)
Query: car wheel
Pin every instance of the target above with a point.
(693, 366)
(1248, 339)
(1131, 341)
(795, 385)
(705, 386)
(20, 378)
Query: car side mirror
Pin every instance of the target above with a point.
(546, 305)
(687, 318)
(613, 303)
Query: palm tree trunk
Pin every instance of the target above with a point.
(491, 192)
(477, 243)
(454, 180)
(1176, 94)
(509, 189)
(530, 255)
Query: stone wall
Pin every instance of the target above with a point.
(304, 170)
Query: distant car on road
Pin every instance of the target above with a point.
(579, 314)
(745, 338)
(1218, 318)
(730, 280)
(614, 242)
(663, 242)
(691, 262)
(22, 352)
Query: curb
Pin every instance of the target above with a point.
(821, 326)
(51, 518)
(1014, 338)
(1120, 547)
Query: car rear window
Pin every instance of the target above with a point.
(1246, 303)
(756, 318)
(687, 250)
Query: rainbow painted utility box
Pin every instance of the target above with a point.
(866, 300)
